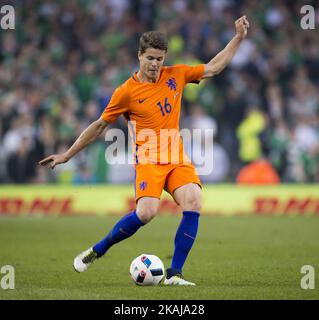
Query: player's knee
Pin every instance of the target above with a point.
(146, 214)
(192, 203)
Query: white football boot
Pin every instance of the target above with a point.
(177, 280)
(84, 260)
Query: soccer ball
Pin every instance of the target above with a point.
(147, 270)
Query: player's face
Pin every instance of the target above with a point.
(151, 62)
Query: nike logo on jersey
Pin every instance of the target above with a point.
(141, 100)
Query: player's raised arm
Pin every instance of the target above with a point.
(86, 137)
(223, 58)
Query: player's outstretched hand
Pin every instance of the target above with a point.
(242, 25)
(53, 160)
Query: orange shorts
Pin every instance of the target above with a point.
(151, 179)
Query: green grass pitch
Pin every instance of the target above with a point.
(248, 257)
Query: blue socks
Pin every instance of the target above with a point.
(129, 224)
(184, 239)
(124, 228)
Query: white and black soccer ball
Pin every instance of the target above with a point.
(147, 270)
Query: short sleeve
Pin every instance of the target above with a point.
(193, 73)
(118, 105)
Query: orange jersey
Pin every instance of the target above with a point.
(153, 112)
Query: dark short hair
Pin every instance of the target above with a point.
(153, 39)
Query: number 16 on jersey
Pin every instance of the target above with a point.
(167, 108)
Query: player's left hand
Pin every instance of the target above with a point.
(242, 25)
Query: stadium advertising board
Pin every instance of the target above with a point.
(103, 200)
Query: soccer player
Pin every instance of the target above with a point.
(151, 100)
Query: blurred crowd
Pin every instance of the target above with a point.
(60, 66)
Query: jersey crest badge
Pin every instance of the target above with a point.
(171, 83)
